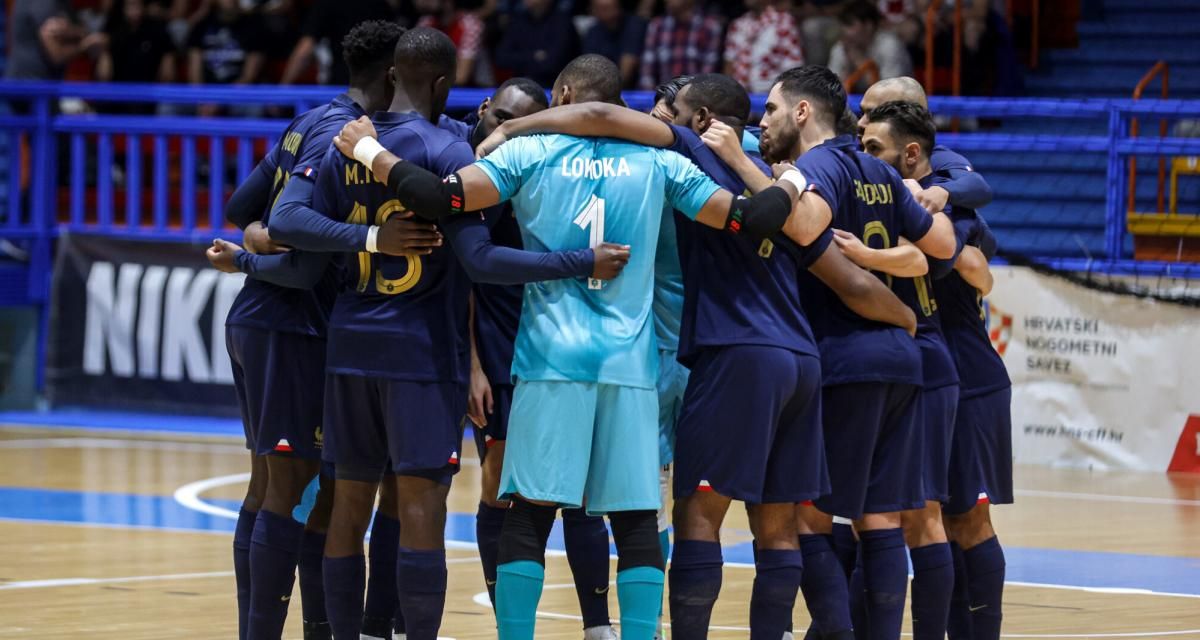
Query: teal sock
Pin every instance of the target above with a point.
(664, 539)
(518, 590)
(639, 593)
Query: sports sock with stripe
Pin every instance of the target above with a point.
(958, 625)
(345, 580)
(312, 587)
(777, 577)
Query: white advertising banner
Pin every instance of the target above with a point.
(1099, 380)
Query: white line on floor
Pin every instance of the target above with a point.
(1103, 497)
(77, 582)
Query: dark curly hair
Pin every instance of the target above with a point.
(369, 46)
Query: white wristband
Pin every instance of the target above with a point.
(372, 239)
(366, 150)
(796, 178)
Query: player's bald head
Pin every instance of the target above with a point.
(588, 78)
(423, 55)
(901, 89)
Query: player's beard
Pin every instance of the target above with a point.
(776, 145)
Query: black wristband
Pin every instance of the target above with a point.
(424, 193)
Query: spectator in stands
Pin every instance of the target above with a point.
(225, 48)
(683, 42)
(903, 18)
(467, 32)
(329, 21)
(139, 47)
(616, 35)
(863, 40)
(761, 44)
(820, 28)
(44, 38)
(539, 42)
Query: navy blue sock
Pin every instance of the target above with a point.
(381, 580)
(777, 576)
(488, 522)
(858, 599)
(241, 565)
(885, 575)
(274, 552)
(958, 626)
(695, 581)
(422, 588)
(312, 586)
(985, 582)
(586, 540)
(825, 591)
(932, 584)
(845, 546)
(345, 580)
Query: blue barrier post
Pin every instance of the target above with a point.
(1114, 216)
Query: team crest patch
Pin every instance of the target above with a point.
(318, 437)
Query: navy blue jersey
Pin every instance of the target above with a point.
(964, 322)
(737, 291)
(498, 309)
(267, 306)
(396, 317)
(954, 173)
(868, 198)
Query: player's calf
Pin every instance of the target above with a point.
(312, 553)
(884, 571)
(640, 572)
(778, 568)
(421, 559)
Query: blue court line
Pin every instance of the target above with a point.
(1092, 569)
(126, 421)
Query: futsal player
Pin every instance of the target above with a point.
(276, 339)
(871, 374)
(582, 426)
(977, 463)
(739, 306)
(956, 182)
(496, 312)
(902, 134)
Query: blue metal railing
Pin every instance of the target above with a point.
(167, 177)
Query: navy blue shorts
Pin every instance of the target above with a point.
(938, 409)
(981, 454)
(497, 423)
(873, 448)
(279, 378)
(417, 425)
(750, 427)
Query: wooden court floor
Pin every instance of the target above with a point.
(128, 537)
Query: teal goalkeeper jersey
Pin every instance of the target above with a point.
(572, 193)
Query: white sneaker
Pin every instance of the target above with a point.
(605, 632)
(787, 635)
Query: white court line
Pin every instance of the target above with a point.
(121, 443)
(78, 582)
(189, 494)
(1101, 497)
(114, 527)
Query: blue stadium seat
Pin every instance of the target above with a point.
(1054, 204)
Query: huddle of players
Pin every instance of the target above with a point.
(786, 373)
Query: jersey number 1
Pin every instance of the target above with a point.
(593, 216)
